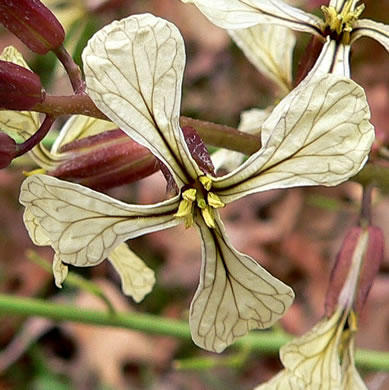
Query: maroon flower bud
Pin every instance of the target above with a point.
(7, 150)
(20, 89)
(33, 23)
(106, 160)
(370, 267)
(358, 250)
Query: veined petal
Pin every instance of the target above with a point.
(339, 4)
(319, 134)
(78, 127)
(137, 278)
(82, 225)
(351, 378)
(60, 271)
(285, 380)
(369, 28)
(270, 49)
(133, 69)
(334, 58)
(235, 293)
(238, 14)
(314, 357)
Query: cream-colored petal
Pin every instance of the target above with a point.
(284, 380)
(334, 58)
(78, 127)
(339, 4)
(250, 122)
(37, 234)
(133, 69)
(270, 49)
(369, 28)
(319, 134)
(60, 271)
(313, 357)
(238, 14)
(137, 278)
(235, 293)
(67, 12)
(12, 54)
(84, 226)
(351, 378)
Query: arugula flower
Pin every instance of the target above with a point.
(341, 27)
(323, 358)
(319, 134)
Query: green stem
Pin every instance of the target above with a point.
(73, 279)
(266, 342)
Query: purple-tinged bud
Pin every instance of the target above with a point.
(106, 160)
(341, 268)
(370, 267)
(20, 89)
(7, 150)
(356, 266)
(198, 150)
(33, 23)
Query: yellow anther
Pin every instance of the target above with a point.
(208, 217)
(331, 17)
(190, 194)
(214, 201)
(34, 172)
(185, 210)
(206, 182)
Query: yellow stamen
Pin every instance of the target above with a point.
(209, 217)
(206, 182)
(214, 201)
(342, 22)
(190, 194)
(185, 210)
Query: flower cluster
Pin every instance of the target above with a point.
(319, 134)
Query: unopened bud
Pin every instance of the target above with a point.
(356, 266)
(33, 23)
(106, 160)
(7, 150)
(20, 89)
(371, 264)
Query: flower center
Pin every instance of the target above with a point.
(199, 197)
(341, 23)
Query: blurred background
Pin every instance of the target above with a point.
(295, 234)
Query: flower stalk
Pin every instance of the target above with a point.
(268, 343)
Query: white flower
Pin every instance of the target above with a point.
(341, 27)
(323, 358)
(318, 135)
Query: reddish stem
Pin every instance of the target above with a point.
(36, 138)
